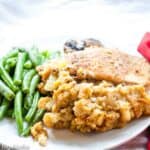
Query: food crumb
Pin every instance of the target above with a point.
(39, 133)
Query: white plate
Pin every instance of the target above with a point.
(66, 140)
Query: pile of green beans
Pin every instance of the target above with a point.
(19, 95)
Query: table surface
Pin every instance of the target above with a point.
(49, 23)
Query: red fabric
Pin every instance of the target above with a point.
(148, 143)
(144, 46)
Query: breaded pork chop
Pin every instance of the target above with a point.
(110, 65)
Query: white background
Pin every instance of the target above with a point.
(49, 23)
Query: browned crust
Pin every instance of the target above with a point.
(110, 65)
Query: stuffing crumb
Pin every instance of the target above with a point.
(45, 103)
(39, 133)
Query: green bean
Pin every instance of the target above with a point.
(21, 49)
(33, 85)
(45, 53)
(26, 131)
(7, 68)
(1, 99)
(33, 108)
(9, 113)
(25, 126)
(34, 82)
(28, 64)
(11, 62)
(27, 80)
(12, 53)
(18, 111)
(4, 108)
(24, 72)
(35, 56)
(6, 91)
(26, 105)
(39, 114)
(24, 111)
(6, 77)
(19, 68)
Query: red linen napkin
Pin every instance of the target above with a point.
(144, 46)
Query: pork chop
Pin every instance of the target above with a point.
(110, 65)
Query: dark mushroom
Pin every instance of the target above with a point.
(73, 45)
(78, 45)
